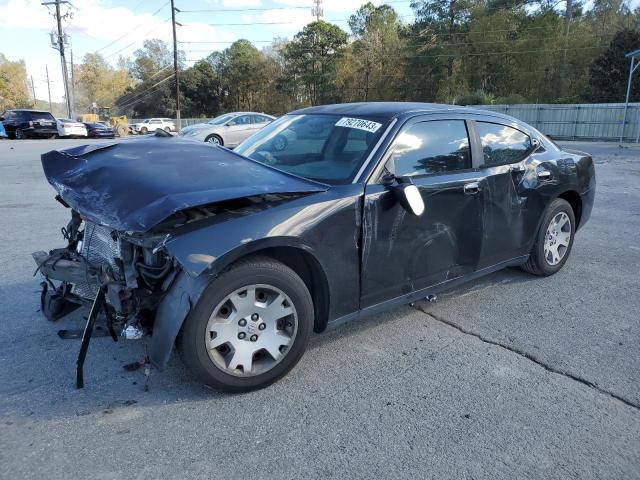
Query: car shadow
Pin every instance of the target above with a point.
(39, 380)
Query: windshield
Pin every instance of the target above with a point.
(220, 120)
(326, 148)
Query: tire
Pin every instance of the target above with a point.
(167, 129)
(20, 134)
(214, 139)
(217, 319)
(120, 130)
(144, 130)
(543, 261)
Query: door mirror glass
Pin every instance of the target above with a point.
(410, 198)
(535, 145)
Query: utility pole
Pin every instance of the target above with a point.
(568, 16)
(317, 11)
(58, 44)
(176, 73)
(73, 84)
(33, 89)
(46, 67)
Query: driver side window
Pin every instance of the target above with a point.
(426, 148)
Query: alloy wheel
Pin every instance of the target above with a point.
(251, 330)
(213, 139)
(557, 238)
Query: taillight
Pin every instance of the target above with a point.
(66, 125)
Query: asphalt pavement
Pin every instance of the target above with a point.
(512, 376)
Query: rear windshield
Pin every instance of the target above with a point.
(34, 116)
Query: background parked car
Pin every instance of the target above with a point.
(229, 129)
(25, 123)
(70, 128)
(152, 124)
(99, 130)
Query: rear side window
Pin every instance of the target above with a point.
(431, 147)
(502, 144)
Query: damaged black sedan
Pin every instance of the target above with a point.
(328, 213)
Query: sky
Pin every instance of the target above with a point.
(116, 27)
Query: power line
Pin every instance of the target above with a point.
(225, 10)
(136, 41)
(133, 30)
(139, 95)
(459, 55)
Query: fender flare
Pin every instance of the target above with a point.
(189, 286)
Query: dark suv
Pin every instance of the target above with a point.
(21, 124)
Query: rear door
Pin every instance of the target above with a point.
(403, 253)
(506, 159)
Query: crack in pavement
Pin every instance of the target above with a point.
(529, 357)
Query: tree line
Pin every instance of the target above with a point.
(455, 51)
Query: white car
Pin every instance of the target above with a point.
(150, 125)
(229, 129)
(70, 128)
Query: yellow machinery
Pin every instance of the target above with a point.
(101, 114)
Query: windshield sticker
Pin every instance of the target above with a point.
(366, 125)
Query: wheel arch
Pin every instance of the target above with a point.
(187, 289)
(297, 257)
(211, 135)
(575, 200)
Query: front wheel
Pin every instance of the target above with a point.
(20, 134)
(250, 326)
(553, 241)
(215, 139)
(143, 130)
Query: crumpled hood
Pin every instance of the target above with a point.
(134, 184)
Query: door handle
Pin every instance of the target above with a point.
(544, 174)
(472, 188)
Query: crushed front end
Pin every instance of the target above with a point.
(132, 269)
(128, 202)
(122, 275)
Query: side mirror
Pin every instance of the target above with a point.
(409, 196)
(535, 145)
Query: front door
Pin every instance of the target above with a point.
(403, 253)
(238, 129)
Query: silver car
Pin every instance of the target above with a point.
(229, 129)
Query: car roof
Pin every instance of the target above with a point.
(27, 110)
(389, 110)
(245, 113)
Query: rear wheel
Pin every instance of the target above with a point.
(553, 241)
(20, 135)
(167, 129)
(249, 328)
(215, 139)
